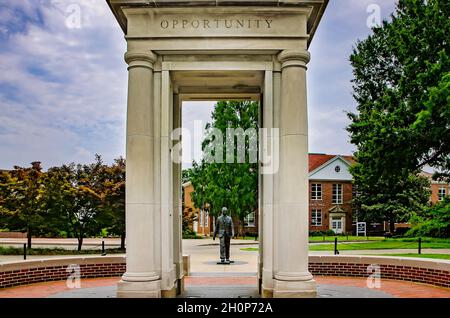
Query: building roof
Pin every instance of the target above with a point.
(317, 160)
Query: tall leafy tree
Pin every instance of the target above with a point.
(113, 199)
(234, 185)
(77, 207)
(402, 124)
(21, 193)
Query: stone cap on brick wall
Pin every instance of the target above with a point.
(63, 261)
(436, 264)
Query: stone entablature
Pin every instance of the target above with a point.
(226, 17)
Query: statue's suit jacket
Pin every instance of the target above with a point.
(224, 226)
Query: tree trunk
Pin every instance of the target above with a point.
(392, 227)
(29, 238)
(122, 241)
(80, 243)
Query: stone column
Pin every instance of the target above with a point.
(292, 278)
(142, 277)
(177, 200)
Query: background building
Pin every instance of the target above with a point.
(330, 196)
(330, 193)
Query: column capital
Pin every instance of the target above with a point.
(297, 58)
(140, 59)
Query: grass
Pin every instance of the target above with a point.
(385, 244)
(250, 249)
(397, 243)
(56, 251)
(436, 256)
(350, 238)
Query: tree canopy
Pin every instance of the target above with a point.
(402, 123)
(234, 185)
(67, 201)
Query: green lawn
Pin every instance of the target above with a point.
(438, 256)
(386, 244)
(250, 249)
(398, 243)
(55, 251)
(350, 238)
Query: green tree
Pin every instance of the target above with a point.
(234, 185)
(433, 222)
(77, 207)
(401, 85)
(113, 199)
(21, 199)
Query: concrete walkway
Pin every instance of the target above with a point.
(204, 253)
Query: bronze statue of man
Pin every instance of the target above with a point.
(225, 229)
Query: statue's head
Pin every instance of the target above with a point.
(224, 211)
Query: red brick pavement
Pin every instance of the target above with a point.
(399, 289)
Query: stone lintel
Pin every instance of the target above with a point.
(316, 8)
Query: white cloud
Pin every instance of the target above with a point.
(64, 90)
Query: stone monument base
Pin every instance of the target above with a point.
(294, 289)
(151, 289)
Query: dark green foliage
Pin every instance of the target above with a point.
(402, 123)
(67, 201)
(234, 185)
(433, 222)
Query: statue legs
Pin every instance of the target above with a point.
(225, 248)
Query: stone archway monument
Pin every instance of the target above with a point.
(210, 50)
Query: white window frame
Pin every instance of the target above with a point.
(314, 218)
(316, 189)
(442, 193)
(206, 219)
(201, 218)
(247, 220)
(337, 196)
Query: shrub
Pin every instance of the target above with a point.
(434, 222)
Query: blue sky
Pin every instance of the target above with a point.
(63, 81)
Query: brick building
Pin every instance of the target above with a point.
(330, 193)
(439, 189)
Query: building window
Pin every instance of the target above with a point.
(249, 220)
(206, 219)
(337, 169)
(337, 193)
(201, 218)
(316, 191)
(441, 193)
(316, 217)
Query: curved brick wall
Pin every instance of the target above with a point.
(434, 272)
(35, 271)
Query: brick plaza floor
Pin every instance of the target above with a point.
(233, 286)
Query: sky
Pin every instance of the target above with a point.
(63, 81)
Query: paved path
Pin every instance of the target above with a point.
(205, 253)
(208, 279)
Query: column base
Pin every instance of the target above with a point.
(266, 292)
(171, 293)
(295, 289)
(151, 289)
(180, 286)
